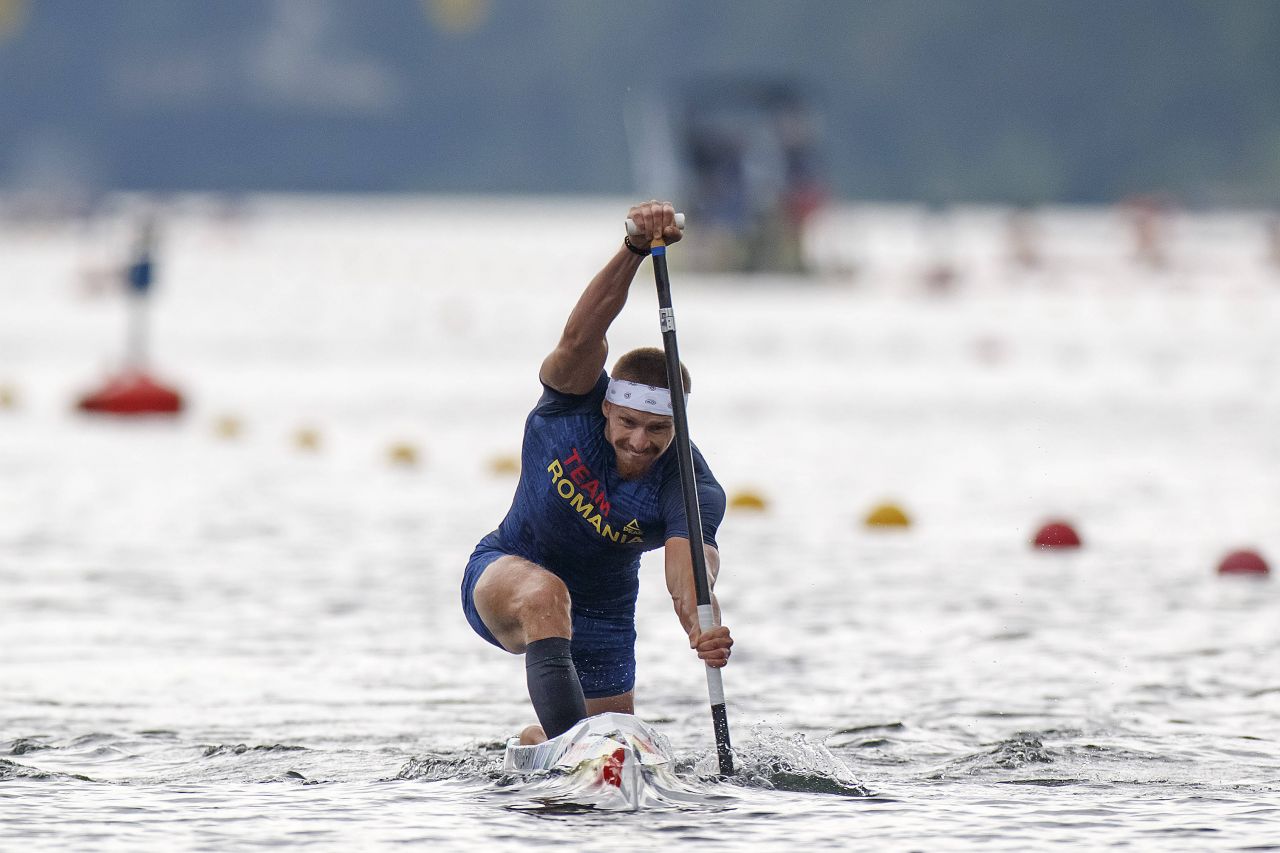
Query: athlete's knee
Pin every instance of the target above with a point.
(543, 595)
(543, 607)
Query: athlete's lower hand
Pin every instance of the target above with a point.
(713, 646)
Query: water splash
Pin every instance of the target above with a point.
(480, 771)
(1020, 750)
(775, 760)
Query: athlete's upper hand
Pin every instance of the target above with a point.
(654, 219)
(713, 646)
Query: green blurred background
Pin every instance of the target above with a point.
(1012, 101)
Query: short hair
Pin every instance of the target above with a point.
(648, 366)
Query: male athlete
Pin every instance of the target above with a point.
(557, 581)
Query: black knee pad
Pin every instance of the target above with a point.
(553, 685)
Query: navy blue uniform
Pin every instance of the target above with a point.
(574, 515)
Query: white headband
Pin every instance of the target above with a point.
(633, 395)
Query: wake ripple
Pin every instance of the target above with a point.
(1021, 750)
(241, 749)
(453, 767)
(23, 745)
(13, 770)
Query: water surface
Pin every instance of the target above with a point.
(233, 644)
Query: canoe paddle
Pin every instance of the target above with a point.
(684, 456)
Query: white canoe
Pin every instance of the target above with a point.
(612, 756)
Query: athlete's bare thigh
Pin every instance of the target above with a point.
(520, 602)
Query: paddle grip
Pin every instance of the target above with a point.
(633, 231)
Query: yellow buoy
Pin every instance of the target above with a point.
(887, 515)
(307, 438)
(458, 17)
(228, 427)
(748, 500)
(13, 17)
(504, 464)
(8, 397)
(403, 454)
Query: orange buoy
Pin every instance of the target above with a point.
(1245, 562)
(1057, 534)
(132, 393)
(887, 515)
(749, 500)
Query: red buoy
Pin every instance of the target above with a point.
(132, 393)
(1244, 563)
(1057, 534)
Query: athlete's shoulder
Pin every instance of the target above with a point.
(711, 499)
(555, 403)
(668, 474)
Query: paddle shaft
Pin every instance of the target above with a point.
(684, 456)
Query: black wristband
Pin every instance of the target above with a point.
(635, 250)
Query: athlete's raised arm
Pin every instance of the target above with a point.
(712, 646)
(575, 364)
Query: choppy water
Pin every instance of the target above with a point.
(226, 644)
